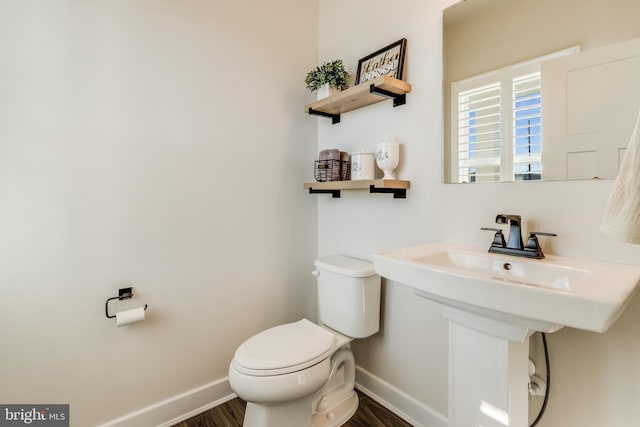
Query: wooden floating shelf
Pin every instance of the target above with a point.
(359, 96)
(396, 187)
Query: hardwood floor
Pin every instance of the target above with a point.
(369, 414)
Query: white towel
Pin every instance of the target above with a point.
(622, 214)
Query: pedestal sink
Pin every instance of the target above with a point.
(494, 303)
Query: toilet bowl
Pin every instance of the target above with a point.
(287, 362)
(302, 374)
(281, 371)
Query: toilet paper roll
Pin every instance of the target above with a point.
(129, 316)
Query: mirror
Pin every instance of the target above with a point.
(587, 90)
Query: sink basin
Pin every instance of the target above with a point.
(494, 303)
(542, 295)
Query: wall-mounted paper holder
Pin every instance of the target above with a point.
(123, 293)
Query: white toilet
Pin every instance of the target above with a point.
(301, 374)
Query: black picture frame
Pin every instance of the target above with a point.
(388, 61)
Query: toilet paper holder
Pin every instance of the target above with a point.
(123, 293)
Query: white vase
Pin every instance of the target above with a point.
(326, 91)
(388, 157)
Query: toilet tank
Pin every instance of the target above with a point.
(348, 295)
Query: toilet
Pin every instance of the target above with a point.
(302, 374)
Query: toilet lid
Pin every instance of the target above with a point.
(283, 349)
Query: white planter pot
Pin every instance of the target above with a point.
(326, 91)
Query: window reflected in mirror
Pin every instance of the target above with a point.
(536, 91)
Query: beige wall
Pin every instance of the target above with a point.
(509, 32)
(159, 144)
(595, 376)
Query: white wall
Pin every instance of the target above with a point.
(595, 381)
(158, 144)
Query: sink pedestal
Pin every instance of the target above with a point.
(488, 379)
(488, 371)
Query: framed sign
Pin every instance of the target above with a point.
(388, 61)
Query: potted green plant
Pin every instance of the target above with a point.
(327, 77)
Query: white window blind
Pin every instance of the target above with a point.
(496, 124)
(527, 127)
(479, 122)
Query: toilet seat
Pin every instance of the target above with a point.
(283, 349)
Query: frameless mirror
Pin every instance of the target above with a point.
(539, 89)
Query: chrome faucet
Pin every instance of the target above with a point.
(514, 245)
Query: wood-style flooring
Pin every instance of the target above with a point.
(369, 414)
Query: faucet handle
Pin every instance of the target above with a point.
(532, 241)
(498, 238)
(541, 233)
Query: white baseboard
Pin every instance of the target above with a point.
(406, 407)
(178, 408)
(200, 399)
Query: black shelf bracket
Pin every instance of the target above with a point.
(334, 193)
(398, 193)
(335, 118)
(397, 99)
